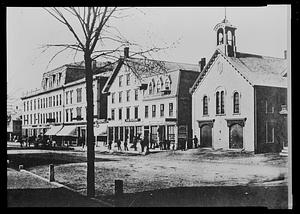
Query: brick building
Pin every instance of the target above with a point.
(58, 108)
(238, 98)
(150, 98)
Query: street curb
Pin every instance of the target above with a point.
(63, 186)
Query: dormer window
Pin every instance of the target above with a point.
(150, 88)
(158, 86)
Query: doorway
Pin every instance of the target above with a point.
(206, 136)
(236, 137)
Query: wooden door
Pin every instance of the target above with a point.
(236, 137)
(206, 136)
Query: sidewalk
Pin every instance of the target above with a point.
(25, 189)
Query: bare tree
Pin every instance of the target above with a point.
(89, 27)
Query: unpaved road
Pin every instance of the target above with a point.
(195, 167)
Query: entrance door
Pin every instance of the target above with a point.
(236, 137)
(206, 136)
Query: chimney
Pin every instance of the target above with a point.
(126, 52)
(202, 64)
(285, 54)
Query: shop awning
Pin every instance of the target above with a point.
(68, 131)
(100, 130)
(53, 130)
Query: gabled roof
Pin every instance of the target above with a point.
(255, 69)
(146, 68)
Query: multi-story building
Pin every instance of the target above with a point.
(59, 107)
(14, 120)
(239, 99)
(150, 98)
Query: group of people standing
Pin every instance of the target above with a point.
(137, 140)
(145, 145)
(35, 140)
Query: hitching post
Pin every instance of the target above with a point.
(51, 172)
(118, 192)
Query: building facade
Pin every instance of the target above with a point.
(150, 98)
(238, 97)
(60, 104)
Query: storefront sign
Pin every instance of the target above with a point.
(182, 131)
(133, 120)
(171, 119)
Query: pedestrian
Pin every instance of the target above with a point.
(109, 144)
(119, 145)
(135, 141)
(19, 139)
(125, 145)
(195, 141)
(142, 144)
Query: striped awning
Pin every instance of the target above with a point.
(68, 131)
(53, 130)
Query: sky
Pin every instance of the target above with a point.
(260, 30)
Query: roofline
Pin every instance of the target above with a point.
(112, 76)
(207, 66)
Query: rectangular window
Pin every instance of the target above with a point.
(120, 80)
(57, 100)
(153, 110)
(120, 96)
(136, 94)
(270, 132)
(136, 112)
(38, 104)
(120, 113)
(30, 105)
(46, 102)
(60, 99)
(162, 110)
(60, 116)
(71, 114)
(24, 106)
(27, 105)
(56, 118)
(53, 100)
(128, 95)
(128, 113)
(71, 96)
(146, 111)
(112, 97)
(79, 95)
(50, 102)
(171, 132)
(34, 118)
(113, 114)
(170, 109)
(78, 112)
(67, 97)
(34, 105)
(30, 118)
(67, 115)
(128, 79)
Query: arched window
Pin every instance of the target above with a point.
(150, 88)
(218, 102)
(236, 103)
(205, 106)
(158, 86)
(222, 102)
(167, 84)
(229, 37)
(220, 108)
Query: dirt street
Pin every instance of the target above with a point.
(195, 167)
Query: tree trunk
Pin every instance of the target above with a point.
(90, 127)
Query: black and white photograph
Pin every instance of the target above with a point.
(149, 106)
